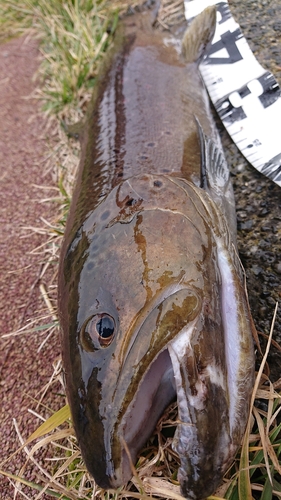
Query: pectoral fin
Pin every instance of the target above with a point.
(215, 177)
(214, 169)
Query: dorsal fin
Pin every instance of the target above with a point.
(199, 35)
(214, 169)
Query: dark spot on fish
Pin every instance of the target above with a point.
(151, 144)
(157, 184)
(165, 170)
(143, 157)
(94, 249)
(83, 420)
(167, 132)
(250, 145)
(90, 266)
(105, 215)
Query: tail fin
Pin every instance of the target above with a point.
(199, 35)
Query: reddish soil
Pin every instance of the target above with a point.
(23, 371)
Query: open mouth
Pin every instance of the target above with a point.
(152, 388)
(156, 392)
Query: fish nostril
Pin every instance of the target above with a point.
(157, 183)
(131, 202)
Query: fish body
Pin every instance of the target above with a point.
(152, 298)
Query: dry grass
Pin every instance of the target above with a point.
(74, 37)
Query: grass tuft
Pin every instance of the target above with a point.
(74, 37)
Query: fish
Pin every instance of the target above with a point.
(152, 298)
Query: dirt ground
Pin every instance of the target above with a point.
(23, 372)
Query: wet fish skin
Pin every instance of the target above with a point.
(152, 255)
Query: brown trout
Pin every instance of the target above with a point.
(152, 299)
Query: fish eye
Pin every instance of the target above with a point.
(97, 332)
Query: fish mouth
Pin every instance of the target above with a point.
(111, 457)
(152, 387)
(156, 392)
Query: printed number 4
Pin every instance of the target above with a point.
(228, 41)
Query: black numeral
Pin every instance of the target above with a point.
(228, 41)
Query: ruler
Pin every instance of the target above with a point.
(246, 96)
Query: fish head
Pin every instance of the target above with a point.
(141, 315)
(130, 286)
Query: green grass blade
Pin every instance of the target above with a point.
(232, 492)
(244, 484)
(58, 418)
(276, 485)
(267, 491)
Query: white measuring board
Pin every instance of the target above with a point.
(246, 96)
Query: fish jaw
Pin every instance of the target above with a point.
(202, 438)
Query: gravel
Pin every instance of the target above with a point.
(258, 200)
